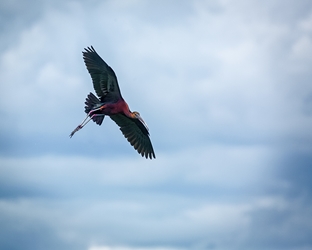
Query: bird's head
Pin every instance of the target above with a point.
(136, 115)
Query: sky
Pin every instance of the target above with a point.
(225, 88)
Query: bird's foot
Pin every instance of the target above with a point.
(75, 130)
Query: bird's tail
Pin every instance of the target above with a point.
(93, 102)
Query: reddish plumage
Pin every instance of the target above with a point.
(111, 103)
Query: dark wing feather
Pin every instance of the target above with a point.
(136, 134)
(93, 102)
(103, 77)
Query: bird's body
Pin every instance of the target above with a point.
(114, 108)
(111, 103)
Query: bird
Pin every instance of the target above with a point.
(110, 103)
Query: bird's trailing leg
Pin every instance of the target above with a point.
(85, 121)
(80, 126)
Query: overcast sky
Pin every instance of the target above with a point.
(226, 90)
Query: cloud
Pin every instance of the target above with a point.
(130, 248)
(173, 202)
(180, 201)
(225, 89)
(211, 83)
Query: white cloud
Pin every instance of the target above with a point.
(132, 248)
(303, 47)
(216, 165)
(128, 202)
(207, 72)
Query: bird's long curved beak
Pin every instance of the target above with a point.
(143, 122)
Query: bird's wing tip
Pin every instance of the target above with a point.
(89, 49)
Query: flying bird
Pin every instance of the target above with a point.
(111, 103)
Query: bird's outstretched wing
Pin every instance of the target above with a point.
(103, 77)
(136, 133)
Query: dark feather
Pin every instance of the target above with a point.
(103, 77)
(136, 134)
(93, 102)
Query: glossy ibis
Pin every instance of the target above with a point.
(111, 103)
